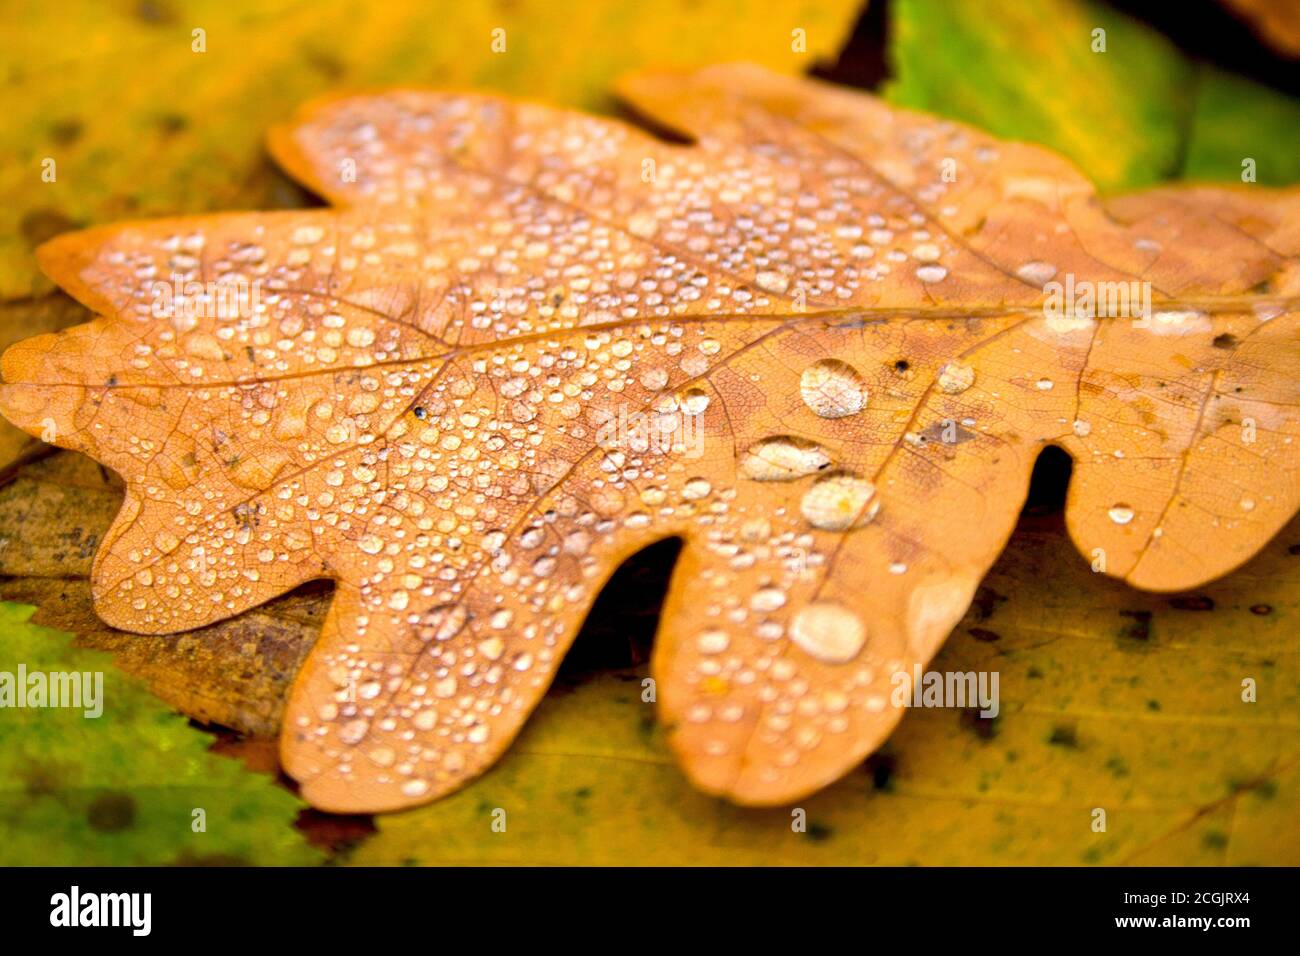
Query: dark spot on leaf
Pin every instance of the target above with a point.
(244, 515)
(1215, 839)
(66, 132)
(329, 65)
(172, 123)
(111, 812)
(158, 12)
(986, 602)
(1192, 602)
(984, 634)
(1034, 673)
(1117, 766)
(948, 432)
(1064, 735)
(419, 412)
(986, 728)
(1261, 609)
(1139, 626)
(819, 832)
(902, 365)
(334, 832)
(881, 767)
(1153, 705)
(1225, 341)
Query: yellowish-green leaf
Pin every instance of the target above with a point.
(138, 121)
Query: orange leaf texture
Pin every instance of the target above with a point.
(817, 338)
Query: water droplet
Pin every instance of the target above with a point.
(931, 273)
(833, 389)
(772, 282)
(695, 401)
(839, 501)
(442, 623)
(1121, 514)
(696, 488)
(829, 632)
(1044, 384)
(712, 642)
(767, 599)
(783, 458)
(1037, 273)
(955, 378)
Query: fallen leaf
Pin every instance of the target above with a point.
(447, 394)
(131, 785)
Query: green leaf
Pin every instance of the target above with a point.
(122, 788)
(1236, 120)
(1135, 113)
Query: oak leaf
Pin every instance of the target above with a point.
(818, 343)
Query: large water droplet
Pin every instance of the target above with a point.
(783, 458)
(833, 389)
(696, 488)
(839, 501)
(1036, 272)
(955, 378)
(829, 632)
(695, 401)
(772, 282)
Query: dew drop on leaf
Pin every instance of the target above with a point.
(783, 458)
(955, 378)
(829, 632)
(839, 501)
(833, 389)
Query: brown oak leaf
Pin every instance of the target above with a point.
(820, 343)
